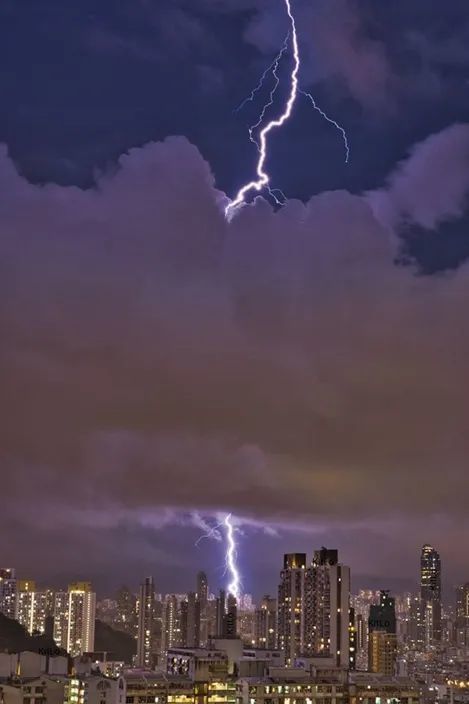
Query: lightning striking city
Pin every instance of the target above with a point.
(263, 179)
(230, 565)
(234, 587)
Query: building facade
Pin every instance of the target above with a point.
(32, 606)
(291, 606)
(8, 592)
(146, 617)
(266, 623)
(430, 590)
(74, 618)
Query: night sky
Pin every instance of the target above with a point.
(305, 368)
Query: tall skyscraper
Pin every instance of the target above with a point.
(417, 637)
(81, 618)
(8, 591)
(266, 623)
(61, 619)
(314, 607)
(290, 606)
(327, 607)
(352, 640)
(430, 589)
(382, 637)
(190, 621)
(171, 623)
(462, 615)
(202, 589)
(31, 606)
(202, 598)
(220, 612)
(146, 615)
(74, 618)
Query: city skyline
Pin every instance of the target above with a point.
(213, 582)
(314, 613)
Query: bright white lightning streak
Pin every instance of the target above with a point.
(263, 178)
(332, 122)
(234, 585)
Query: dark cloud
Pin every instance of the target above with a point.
(432, 186)
(156, 358)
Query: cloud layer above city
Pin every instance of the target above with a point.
(283, 366)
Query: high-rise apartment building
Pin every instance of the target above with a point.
(327, 608)
(146, 616)
(32, 606)
(313, 607)
(291, 606)
(81, 618)
(266, 623)
(8, 591)
(61, 618)
(220, 612)
(352, 640)
(202, 598)
(417, 633)
(430, 590)
(202, 589)
(171, 623)
(190, 621)
(74, 618)
(462, 615)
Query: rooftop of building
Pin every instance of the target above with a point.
(18, 681)
(139, 674)
(361, 679)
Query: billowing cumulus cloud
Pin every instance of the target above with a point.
(156, 359)
(430, 187)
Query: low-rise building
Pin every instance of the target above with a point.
(32, 690)
(95, 689)
(296, 686)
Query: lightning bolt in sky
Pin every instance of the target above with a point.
(332, 122)
(214, 533)
(263, 178)
(274, 69)
(235, 583)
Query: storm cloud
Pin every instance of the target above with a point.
(155, 357)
